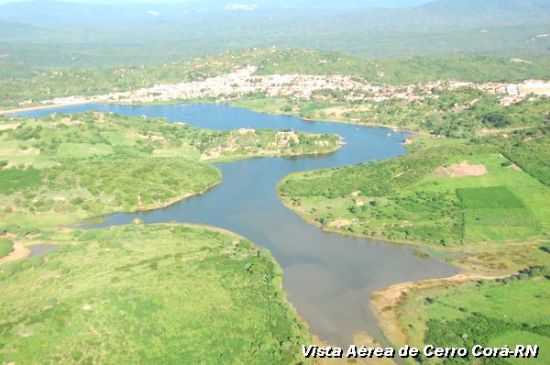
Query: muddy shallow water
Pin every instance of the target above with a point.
(328, 277)
(41, 249)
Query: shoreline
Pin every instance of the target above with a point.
(394, 128)
(277, 280)
(236, 158)
(422, 246)
(19, 252)
(22, 251)
(176, 200)
(209, 188)
(307, 220)
(386, 302)
(95, 220)
(8, 112)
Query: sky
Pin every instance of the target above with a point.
(179, 1)
(108, 2)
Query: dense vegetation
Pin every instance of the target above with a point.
(65, 168)
(530, 152)
(162, 294)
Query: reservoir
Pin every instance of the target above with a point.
(328, 277)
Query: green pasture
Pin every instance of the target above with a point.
(6, 246)
(490, 313)
(409, 199)
(156, 294)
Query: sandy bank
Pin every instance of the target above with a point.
(385, 302)
(19, 252)
(42, 107)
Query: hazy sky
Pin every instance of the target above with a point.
(116, 1)
(184, 1)
(107, 1)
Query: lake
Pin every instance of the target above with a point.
(328, 277)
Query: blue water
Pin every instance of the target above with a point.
(328, 277)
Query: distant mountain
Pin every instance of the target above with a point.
(59, 13)
(371, 27)
(371, 14)
(62, 14)
(485, 7)
(17, 31)
(485, 12)
(317, 4)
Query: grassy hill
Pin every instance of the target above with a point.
(147, 294)
(433, 195)
(64, 169)
(483, 183)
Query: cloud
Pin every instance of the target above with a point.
(153, 13)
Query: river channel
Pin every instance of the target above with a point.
(328, 277)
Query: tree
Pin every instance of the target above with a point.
(495, 120)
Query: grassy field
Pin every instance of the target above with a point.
(427, 196)
(495, 213)
(162, 294)
(490, 313)
(6, 246)
(65, 168)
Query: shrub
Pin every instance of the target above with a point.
(495, 120)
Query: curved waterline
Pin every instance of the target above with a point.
(328, 277)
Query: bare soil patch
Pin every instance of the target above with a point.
(340, 223)
(4, 127)
(19, 252)
(462, 169)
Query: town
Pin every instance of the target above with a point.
(245, 82)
